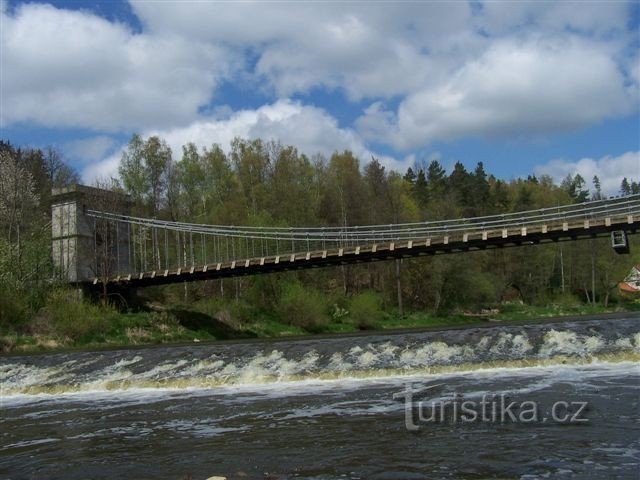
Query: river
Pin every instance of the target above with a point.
(369, 406)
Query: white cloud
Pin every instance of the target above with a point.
(367, 51)
(599, 18)
(89, 149)
(457, 69)
(310, 129)
(610, 170)
(65, 68)
(103, 170)
(516, 88)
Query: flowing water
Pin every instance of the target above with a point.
(327, 408)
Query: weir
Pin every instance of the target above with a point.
(97, 242)
(614, 338)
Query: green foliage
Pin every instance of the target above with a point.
(67, 316)
(303, 307)
(144, 169)
(567, 301)
(14, 308)
(265, 183)
(365, 310)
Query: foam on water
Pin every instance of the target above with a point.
(407, 355)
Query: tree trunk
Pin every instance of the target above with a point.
(593, 273)
(586, 293)
(399, 287)
(344, 279)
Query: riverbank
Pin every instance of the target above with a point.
(89, 326)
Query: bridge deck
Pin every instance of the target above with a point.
(434, 245)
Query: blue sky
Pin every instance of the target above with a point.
(525, 87)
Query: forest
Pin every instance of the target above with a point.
(265, 183)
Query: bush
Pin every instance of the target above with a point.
(68, 316)
(567, 301)
(13, 308)
(303, 307)
(366, 310)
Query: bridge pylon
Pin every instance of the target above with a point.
(84, 248)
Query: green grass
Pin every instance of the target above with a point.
(421, 319)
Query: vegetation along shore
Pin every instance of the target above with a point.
(263, 183)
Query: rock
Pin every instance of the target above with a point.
(217, 477)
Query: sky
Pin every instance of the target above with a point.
(525, 87)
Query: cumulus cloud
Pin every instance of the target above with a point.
(67, 68)
(450, 70)
(310, 129)
(516, 88)
(366, 51)
(610, 170)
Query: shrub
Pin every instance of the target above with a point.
(303, 307)
(567, 301)
(68, 316)
(13, 308)
(366, 310)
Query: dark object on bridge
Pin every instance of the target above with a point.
(619, 241)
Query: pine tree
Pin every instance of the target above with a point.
(410, 176)
(625, 188)
(597, 195)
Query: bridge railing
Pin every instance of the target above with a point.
(162, 244)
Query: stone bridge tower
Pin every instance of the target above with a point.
(85, 248)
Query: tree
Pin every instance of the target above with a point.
(251, 162)
(290, 196)
(57, 171)
(597, 194)
(132, 170)
(379, 194)
(193, 184)
(157, 156)
(25, 239)
(344, 199)
(421, 189)
(436, 178)
(625, 188)
(112, 237)
(479, 191)
(410, 176)
(18, 199)
(460, 182)
(223, 199)
(574, 186)
(144, 168)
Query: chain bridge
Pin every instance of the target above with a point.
(95, 240)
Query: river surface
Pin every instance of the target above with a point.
(372, 406)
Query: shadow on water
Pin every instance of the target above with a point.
(198, 321)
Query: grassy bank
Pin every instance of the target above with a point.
(67, 322)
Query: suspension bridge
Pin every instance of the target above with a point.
(96, 241)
